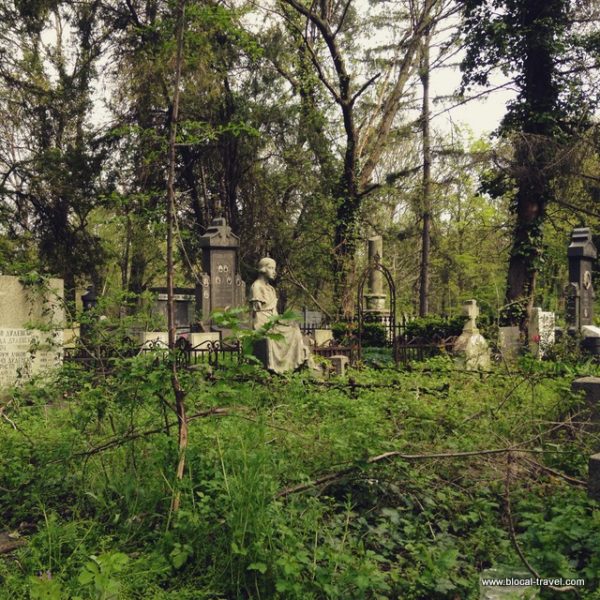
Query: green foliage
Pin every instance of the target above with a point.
(434, 327)
(374, 334)
(90, 473)
(100, 573)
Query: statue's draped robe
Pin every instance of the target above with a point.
(285, 354)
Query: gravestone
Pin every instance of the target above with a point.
(594, 477)
(311, 318)
(322, 336)
(509, 342)
(31, 329)
(471, 347)
(580, 291)
(184, 300)
(542, 327)
(221, 283)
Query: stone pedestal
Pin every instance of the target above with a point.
(340, 364)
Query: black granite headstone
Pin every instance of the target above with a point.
(580, 291)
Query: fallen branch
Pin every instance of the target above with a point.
(556, 473)
(116, 442)
(337, 475)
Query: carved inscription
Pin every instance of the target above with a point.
(25, 352)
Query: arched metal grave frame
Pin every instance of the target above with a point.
(376, 265)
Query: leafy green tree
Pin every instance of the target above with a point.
(50, 161)
(538, 43)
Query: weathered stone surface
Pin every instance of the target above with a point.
(509, 342)
(340, 363)
(594, 477)
(542, 327)
(288, 351)
(221, 286)
(154, 339)
(471, 348)
(580, 291)
(322, 336)
(591, 387)
(375, 296)
(31, 328)
(204, 339)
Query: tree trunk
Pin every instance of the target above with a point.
(426, 200)
(535, 153)
(176, 385)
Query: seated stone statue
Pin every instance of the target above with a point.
(278, 355)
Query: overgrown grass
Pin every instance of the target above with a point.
(87, 474)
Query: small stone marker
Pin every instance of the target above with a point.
(471, 347)
(594, 477)
(340, 363)
(542, 327)
(591, 387)
(31, 329)
(509, 342)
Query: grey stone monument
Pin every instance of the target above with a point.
(221, 285)
(375, 296)
(31, 329)
(580, 291)
(471, 348)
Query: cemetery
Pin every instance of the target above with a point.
(436, 433)
(298, 300)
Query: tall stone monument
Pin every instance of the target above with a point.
(221, 285)
(375, 297)
(580, 291)
(31, 328)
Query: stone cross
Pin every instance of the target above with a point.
(471, 310)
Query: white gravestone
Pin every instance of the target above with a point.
(541, 332)
(31, 328)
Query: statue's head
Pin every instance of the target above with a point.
(268, 267)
